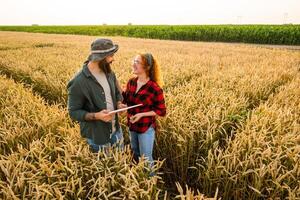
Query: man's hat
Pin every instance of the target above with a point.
(101, 48)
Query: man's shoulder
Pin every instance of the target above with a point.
(79, 77)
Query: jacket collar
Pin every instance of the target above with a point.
(88, 74)
(86, 70)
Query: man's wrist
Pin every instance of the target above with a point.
(90, 116)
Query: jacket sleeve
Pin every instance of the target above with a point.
(76, 101)
(118, 94)
(125, 93)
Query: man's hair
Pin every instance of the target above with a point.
(105, 66)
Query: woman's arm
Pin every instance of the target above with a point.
(148, 114)
(138, 116)
(159, 106)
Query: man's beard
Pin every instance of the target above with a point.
(105, 66)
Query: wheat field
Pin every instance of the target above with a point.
(232, 129)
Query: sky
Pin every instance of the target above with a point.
(118, 12)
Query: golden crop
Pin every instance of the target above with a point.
(232, 124)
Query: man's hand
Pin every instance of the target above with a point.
(136, 117)
(104, 116)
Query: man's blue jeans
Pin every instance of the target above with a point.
(142, 144)
(116, 140)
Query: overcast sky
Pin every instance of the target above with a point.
(67, 12)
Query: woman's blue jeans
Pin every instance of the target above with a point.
(142, 144)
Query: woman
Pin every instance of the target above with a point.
(144, 89)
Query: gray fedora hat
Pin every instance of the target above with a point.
(101, 48)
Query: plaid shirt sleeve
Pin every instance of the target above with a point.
(159, 106)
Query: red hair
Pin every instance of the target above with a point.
(152, 69)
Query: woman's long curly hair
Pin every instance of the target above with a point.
(152, 68)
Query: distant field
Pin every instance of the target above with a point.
(232, 124)
(259, 34)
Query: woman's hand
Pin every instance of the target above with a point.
(120, 106)
(136, 117)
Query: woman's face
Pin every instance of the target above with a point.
(138, 66)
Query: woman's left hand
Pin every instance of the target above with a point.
(135, 118)
(120, 106)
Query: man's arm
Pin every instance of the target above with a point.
(119, 96)
(90, 117)
(102, 115)
(76, 101)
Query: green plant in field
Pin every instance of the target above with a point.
(261, 34)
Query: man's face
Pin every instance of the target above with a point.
(109, 59)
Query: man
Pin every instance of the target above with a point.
(92, 93)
